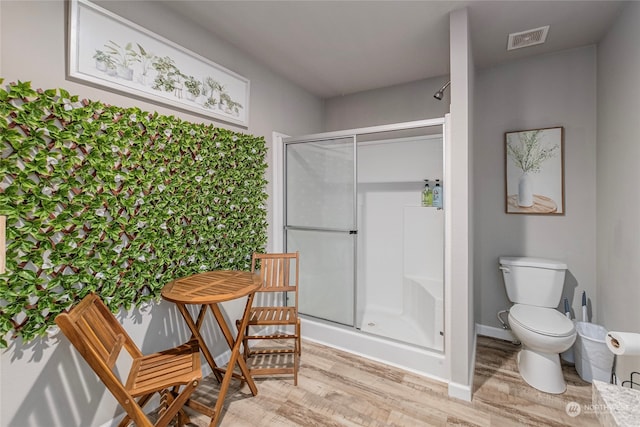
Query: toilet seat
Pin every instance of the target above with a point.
(542, 320)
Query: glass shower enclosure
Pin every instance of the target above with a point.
(371, 256)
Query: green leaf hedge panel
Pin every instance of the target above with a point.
(116, 200)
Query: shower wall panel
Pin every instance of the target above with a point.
(391, 177)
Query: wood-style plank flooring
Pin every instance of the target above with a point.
(336, 388)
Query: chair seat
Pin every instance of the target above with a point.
(273, 316)
(151, 373)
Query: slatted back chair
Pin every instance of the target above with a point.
(280, 274)
(98, 336)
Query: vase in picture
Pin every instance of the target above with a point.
(125, 72)
(525, 192)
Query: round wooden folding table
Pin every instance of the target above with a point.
(208, 289)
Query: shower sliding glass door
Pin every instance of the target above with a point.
(320, 222)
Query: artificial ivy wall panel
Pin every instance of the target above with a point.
(116, 200)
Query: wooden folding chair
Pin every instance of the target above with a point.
(276, 319)
(98, 336)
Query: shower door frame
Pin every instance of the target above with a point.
(280, 160)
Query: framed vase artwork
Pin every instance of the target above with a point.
(534, 171)
(110, 52)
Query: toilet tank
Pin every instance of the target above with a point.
(533, 281)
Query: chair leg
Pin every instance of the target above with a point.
(299, 338)
(247, 350)
(296, 357)
(176, 403)
(182, 418)
(296, 362)
(141, 402)
(245, 341)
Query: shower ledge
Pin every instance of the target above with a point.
(616, 406)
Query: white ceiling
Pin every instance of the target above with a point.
(339, 47)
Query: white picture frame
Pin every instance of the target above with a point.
(108, 51)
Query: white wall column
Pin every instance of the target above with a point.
(459, 326)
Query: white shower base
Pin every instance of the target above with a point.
(394, 325)
(412, 358)
(420, 320)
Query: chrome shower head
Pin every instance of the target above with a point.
(439, 94)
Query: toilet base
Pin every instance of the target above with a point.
(541, 370)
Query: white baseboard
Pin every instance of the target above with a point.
(493, 332)
(460, 391)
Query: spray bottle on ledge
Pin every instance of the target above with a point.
(427, 195)
(437, 195)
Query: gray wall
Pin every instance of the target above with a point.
(394, 104)
(45, 383)
(539, 92)
(618, 204)
(618, 201)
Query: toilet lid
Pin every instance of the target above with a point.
(542, 320)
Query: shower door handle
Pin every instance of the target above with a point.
(330, 230)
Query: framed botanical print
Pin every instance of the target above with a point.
(110, 52)
(534, 171)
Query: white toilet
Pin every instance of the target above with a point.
(535, 285)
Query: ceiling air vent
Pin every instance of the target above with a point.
(527, 38)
